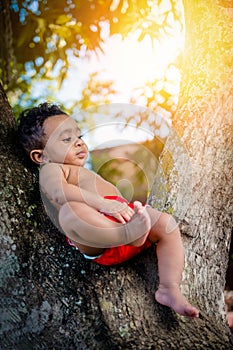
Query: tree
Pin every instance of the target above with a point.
(52, 298)
(39, 37)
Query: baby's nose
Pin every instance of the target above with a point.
(78, 142)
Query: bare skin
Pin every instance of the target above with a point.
(169, 293)
(170, 269)
(78, 195)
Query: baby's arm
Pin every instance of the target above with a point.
(55, 186)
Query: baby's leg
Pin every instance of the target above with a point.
(87, 226)
(170, 254)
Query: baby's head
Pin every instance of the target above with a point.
(48, 134)
(31, 122)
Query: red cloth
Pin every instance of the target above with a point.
(117, 255)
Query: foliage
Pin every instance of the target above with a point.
(46, 31)
(96, 91)
(159, 94)
(135, 164)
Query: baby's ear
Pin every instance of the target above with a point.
(36, 156)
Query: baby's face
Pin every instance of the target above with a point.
(63, 140)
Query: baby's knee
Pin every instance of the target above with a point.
(172, 224)
(168, 223)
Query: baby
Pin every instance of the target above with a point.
(91, 211)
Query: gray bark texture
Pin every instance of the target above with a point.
(52, 298)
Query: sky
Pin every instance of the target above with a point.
(129, 64)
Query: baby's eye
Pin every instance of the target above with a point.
(80, 136)
(67, 139)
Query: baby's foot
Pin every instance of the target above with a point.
(172, 297)
(139, 226)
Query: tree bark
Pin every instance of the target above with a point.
(51, 298)
(205, 121)
(204, 126)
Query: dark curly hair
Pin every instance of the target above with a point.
(30, 129)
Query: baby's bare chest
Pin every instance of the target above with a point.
(87, 180)
(78, 175)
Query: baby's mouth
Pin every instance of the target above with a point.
(81, 154)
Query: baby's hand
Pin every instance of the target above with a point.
(120, 211)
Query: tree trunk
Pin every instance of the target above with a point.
(54, 299)
(203, 126)
(205, 121)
